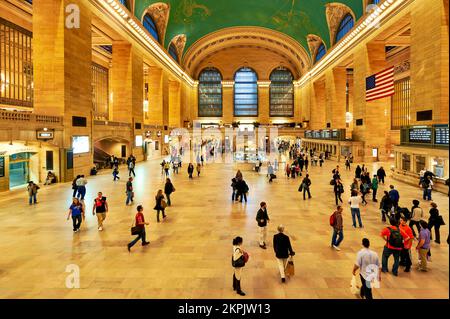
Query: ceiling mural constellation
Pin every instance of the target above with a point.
(295, 18)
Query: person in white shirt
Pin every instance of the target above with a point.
(81, 186)
(417, 215)
(368, 263)
(354, 201)
(427, 186)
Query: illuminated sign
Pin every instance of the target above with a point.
(44, 135)
(80, 144)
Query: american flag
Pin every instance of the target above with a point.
(380, 85)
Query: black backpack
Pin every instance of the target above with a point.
(395, 238)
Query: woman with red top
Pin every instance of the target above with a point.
(140, 222)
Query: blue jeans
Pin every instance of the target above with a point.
(355, 211)
(129, 197)
(337, 233)
(33, 199)
(81, 192)
(427, 194)
(75, 190)
(387, 252)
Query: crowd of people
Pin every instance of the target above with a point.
(399, 235)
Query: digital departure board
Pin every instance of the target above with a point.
(317, 134)
(420, 135)
(326, 134)
(335, 134)
(308, 134)
(441, 134)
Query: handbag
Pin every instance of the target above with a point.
(300, 188)
(289, 269)
(440, 220)
(240, 262)
(163, 203)
(135, 230)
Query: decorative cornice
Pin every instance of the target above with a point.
(402, 67)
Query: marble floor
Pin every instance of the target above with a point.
(189, 254)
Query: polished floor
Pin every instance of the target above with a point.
(189, 254)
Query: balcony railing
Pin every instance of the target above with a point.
(13, 116)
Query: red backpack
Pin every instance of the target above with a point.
(333, 219)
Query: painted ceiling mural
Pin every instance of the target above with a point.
(296, 18)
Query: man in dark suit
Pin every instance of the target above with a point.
(283, 249)
(262, 218)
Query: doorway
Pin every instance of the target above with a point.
(19, 169)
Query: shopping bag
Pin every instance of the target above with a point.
(290, 270)
(354, 289)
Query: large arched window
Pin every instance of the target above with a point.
(210, 93)
(344, 27)
(150, 25)
(281, 93)
(173, 52)
(321, 50)
(245, 92)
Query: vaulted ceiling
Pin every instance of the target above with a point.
(295, 18)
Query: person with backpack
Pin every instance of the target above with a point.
(129, 191)
(240, 257)
(405, 254)
(374, 188)
(139, 222)
(305, 186)
(168, 190)
(100, 208)
(74, 186)
(354, 202)
(427, 186)
(283, 249)
(160, 205)
(32, 190)
(366, 259)
(385, 206)
(337, 222)
(416, 216)
(81, 186)
(394, 238)
(338, 191)
(262, 218)
(76, 211)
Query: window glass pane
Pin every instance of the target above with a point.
(100, 95)
(173, 52)
(245, 93)
(210, 93)
(150, 25)
(344, 27)
(320, 52)
(281, 93)
(400, 104)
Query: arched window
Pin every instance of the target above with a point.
(346, 25)
(210, 93)
(245, 92)
(150, 25)
(173, 52)
(281, 92)
(320, 53)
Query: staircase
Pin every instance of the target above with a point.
(101, 158)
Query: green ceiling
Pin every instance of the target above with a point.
(296, 18)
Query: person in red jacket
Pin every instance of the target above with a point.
(140, 222)
(394, 238)
(405, 255)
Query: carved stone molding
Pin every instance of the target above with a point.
(402, 67)
(160, 14)
(180, 42)
(335, 12)
(314, 41)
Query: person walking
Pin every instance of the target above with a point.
(270, 172)
(358, 171)
(321, 159)
(76, 211)
(394, 195)
(427, 186)
(355, 201)
(262, 218)
(190, 170)
(416, 216)
(423, 246)
(354, 185)
(337, 222)
(405, 254)
(381, 174)
(394, 238)
(81, 187)
(242, 190)
(100, 208)
(129, 191)
(74, 186)
(283, 249)
(385, 206)
(368, 264)
(306, 184)
(364, 189)
(32, 190)
(347, 163)
(115, 173)
(167, 168)
(234, 195)
(160, 205)
(374, 188)
(139, 222)
(338, 191)
(435, 221)
(168, 190)
(199, 168)
(306, 163)
(131, 166)
(238, 262)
